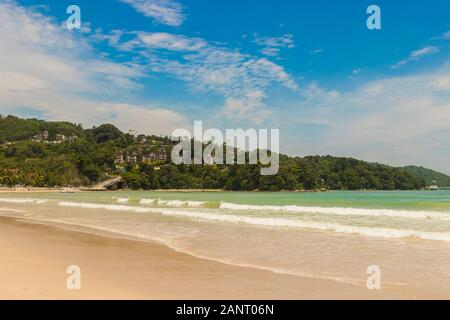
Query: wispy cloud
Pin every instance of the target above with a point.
(240, 78)
(161, 40)
(167, 12)
(446, 35)
(58, 75)
(316, 51)
(417, 55)
(397, 120)
(271, 45)
(440, 84)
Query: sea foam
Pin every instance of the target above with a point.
(272, 222)
(22, 200)
(147, 201)
(340, 211)
(173, 203)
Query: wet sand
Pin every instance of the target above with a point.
(34, 260)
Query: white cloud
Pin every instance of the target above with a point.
(250, 104)
(161, 40)
(400, 121)
(270, 51)
(271, 45)
(45, 67)
(416, 55)
(48, 70)
(112, 38)
(445, 36)
(316, 96)
(284, 41)
(147, 119)
(316, 51)
(16, 82)
(441, 83)
(167, 12)
(208, 67)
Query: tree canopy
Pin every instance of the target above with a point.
(91, 157)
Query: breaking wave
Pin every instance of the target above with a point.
(22, 200)
(173, 203)
(272, 222)
(147, 201)
(340, 211)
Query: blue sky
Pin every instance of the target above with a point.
(310, 68)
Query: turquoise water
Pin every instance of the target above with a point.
(332, 235)
(406, 200)
(398, 214)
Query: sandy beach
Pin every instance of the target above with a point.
(34, 259)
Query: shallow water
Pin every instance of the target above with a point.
(334, 235)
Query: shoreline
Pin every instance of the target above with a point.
(34, 258)
(85, 189)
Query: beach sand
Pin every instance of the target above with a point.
(34, 259)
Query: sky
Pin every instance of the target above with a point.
(311, 69)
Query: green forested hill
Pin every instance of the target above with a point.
(86, 156)
(15, 129)
(429, 176)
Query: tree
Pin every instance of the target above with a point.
(93, 173)
(105, 133)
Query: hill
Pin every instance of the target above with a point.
(16, 129)
(429, 176)
(40, 153)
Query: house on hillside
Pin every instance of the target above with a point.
(120, 159)
(133, 158)
(154, 156)
(41, 137)
(141, 156)
(44, 137)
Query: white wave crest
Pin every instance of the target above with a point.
(341, 211)
(273, 222)
(22, 200)
(196, 204)
(174, 203)
(147, 201)
(280, 222)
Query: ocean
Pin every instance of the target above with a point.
(330, 235)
